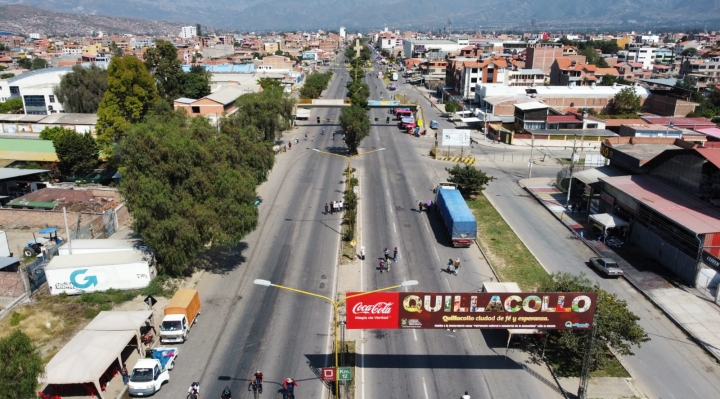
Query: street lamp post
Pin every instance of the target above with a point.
(336, 315)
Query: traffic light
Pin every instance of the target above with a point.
(318, 119)
(387, 120)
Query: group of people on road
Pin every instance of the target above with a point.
(334, 206)
(452, 267)
(386, 259)
(256, 384)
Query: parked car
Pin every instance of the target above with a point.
(607, 266)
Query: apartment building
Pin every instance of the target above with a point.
(188, 32)
(632, 71)
(648, 56)
(701, 72)
(543, 55)
(36, 89)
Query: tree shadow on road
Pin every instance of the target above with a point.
(222, 260)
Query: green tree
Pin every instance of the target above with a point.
(164, 65)
(609, 80)
(451, 107)
(616, 327)
(25, 63)
(130, 95)
(6, 75)
(279, 52)
(12, 106)
(689, 52)
(197, 82)
(20, 366)
(115, 50)
(270, 113)
(355, 123)
(39, 63)
(314, 85)
(81, 90)
(77, 152)
(267, 83)
(626, 101)
(49, 133)
(470, 180)
(195, 190)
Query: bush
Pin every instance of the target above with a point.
(16, 318)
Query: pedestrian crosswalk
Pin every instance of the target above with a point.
(465, 160)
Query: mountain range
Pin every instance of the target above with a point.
(248, 15)
(25, 20)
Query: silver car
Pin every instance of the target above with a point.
(607, 266)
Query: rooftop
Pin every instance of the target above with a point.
(71, 119)
(531, 105)
(645, 152)
(11, 173)
(27, 150)
(574, 132)
(665, 120)
(696, 216)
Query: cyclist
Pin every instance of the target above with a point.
(258, 380)
(194, 390)
(290, 385)
(226, 393)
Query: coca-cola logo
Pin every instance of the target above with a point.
(377, 308)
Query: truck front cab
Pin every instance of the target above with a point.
(443, 186)
(147, 377)
(174, 328)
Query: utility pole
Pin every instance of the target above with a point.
(572, 164)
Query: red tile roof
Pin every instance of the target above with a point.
(562, 118)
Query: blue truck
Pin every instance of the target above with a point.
(456, 215)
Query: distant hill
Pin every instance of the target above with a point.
(24, 20)
(358, 14)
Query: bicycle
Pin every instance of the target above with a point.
(192, 395)
(254, 387)
(288, 395)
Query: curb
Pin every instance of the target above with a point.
(466, 160)
(677, 323)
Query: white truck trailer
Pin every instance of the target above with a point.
(75, 274)
(82, 246)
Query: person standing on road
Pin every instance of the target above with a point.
(124, 374)
(395, 254)
(387, 254)
(326, 208)
(466, 396)
(456, 266)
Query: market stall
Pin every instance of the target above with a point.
(607, 225)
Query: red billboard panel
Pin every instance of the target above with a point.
(373, 311)
(509, 310)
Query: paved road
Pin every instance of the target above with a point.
(423, 364)
(670, 365)
(243, 327)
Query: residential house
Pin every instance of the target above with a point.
(682, 46)
(632, 71)
(701, 72)
(213, 106)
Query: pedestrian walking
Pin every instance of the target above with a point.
(456, 266)
(387, 254)
(332, 207)
(290, 145)
(362, 253)
(124, 374)
(313, 139)
(395, 254)
(326, 208)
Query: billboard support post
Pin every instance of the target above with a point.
(587, 361)
(336, 314)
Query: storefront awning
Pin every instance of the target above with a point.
(608, 221)
(590, 176)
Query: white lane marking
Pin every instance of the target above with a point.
(425, 387)
(428, 230)
(414, 335)
(394, 228)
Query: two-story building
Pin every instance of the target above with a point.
(701, 72)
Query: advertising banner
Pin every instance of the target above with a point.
(455, 138)
(508, 310)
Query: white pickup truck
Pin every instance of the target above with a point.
(149, 375)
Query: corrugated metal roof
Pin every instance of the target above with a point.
(711, 154)
(696, 216)
(10, 173)
(590, 176)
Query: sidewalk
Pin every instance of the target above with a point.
(691, 310)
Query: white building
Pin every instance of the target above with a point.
(188, 32)
(342, 32)
(648, 56)
(423, 48)
(36, 89)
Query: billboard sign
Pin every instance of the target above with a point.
(508, 310)
(455, 138)
(309, 56)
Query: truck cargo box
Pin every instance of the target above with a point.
(75, 274)
(457, 216)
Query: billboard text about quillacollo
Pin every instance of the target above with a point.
(509, 310)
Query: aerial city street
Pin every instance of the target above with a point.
(380, 211)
